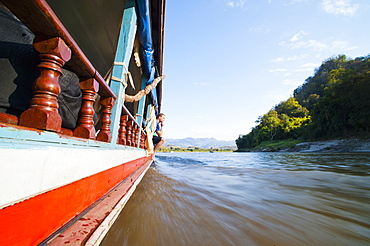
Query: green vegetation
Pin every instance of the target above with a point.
(334, 103)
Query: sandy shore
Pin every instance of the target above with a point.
(343, 145)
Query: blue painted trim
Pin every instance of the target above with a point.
(123, 54)
(15, 138)
(140, 110)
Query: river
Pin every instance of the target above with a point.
(249, 199)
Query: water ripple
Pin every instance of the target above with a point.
(249, 199)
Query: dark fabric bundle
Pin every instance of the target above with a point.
(18, 71)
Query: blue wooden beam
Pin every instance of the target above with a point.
(122, 60)
(140, 111)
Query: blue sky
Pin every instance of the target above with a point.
(228, 62)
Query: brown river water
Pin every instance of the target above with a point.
(249, 199)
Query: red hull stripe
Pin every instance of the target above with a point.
(31, 221)
(92, 223)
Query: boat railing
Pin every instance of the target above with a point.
(56, 47)
(130, 132)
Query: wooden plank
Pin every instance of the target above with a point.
(94, 25)
(123, 55)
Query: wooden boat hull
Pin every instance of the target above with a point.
(52, 184)
(68, 167)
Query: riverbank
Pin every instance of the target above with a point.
(341, 145)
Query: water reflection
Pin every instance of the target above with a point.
(249, 199)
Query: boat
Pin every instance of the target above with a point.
(66, 176)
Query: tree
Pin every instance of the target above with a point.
(291, 108)
(268, 124)
(332, 103)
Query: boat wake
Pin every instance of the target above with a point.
(192, 201)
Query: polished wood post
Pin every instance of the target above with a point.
(105, 134)
(85, 128)
(122, 130)
(43, 111)
(133, 135)
(129, 132)
(137, 129)
(142, 140)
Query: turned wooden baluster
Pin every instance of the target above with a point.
(137, 129)
(43, 111)
(142, 140)
(129, 133)
(122, 130)
(85, 128)
(133, 134)
(136, 141)
(105, 134)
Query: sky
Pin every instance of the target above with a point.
(229, 62)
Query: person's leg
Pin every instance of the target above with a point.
(158, 145)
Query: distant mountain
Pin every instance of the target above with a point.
(200, 143)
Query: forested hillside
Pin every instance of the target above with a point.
(333, 103)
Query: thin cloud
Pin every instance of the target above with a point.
(291, 82)
(342, 45)
(307, 67)
(293, 2)
(279, 59)
(297, 41)
(260, 29)
(310, 65)
(295, 58)
(278, 70)
(304, 69)
(292, 58)
(311, 44)
(298, 36)
(314, 45)
(339, 7)
(317, 46)
(236, 4)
